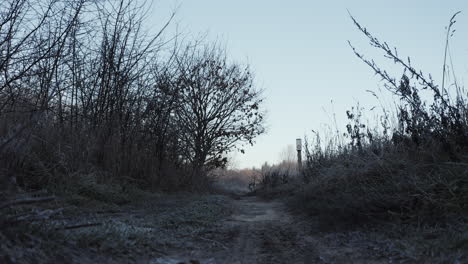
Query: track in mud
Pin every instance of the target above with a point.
(257, 232)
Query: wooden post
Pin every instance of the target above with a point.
(299, 154)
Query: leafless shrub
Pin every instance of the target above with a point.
(412, 173)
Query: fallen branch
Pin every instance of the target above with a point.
(26, 201)
(33, 216)
(32, 194)
(42, 215)
(78, 226)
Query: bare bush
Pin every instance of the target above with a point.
(411, 173)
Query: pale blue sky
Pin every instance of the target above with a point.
(298, 50)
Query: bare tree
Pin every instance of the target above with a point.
(82, 70)
(32, 39)
(219, 106)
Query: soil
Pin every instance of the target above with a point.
(264, 231)
(256, 232)
(210, 229)
(260, 231)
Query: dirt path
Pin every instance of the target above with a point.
(204, 229)
(209, 229)
(257, 232)
(261, 232)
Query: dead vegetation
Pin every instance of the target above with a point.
(407, 180)
(99, 115)
(151, 225)
(87, 92)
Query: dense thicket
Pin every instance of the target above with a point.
(86, 90)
